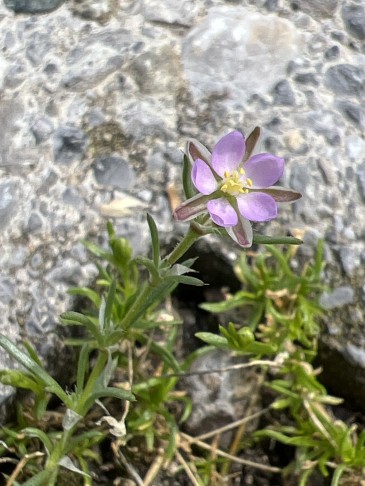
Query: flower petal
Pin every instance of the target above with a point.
(203, 177)
(228, 153)
(191, 208)
(282, 194)
(257, 206)
(242, 232)
(222, 213)
(196, 150)
(264, 169)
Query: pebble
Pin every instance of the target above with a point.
(346, 79)
(33, 6)
(283, 94)
(338, 298)
(261, 46)
(114, 171)
(8, 201)
(354, 19)
(69, 143)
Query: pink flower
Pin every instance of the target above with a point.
(235, 188)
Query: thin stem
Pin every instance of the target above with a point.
(189, 239)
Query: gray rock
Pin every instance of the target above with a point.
(332, 53)
(218, 398)
(71, 196)
(8, 201)
(350, 256)
(7, 289)
(317, 8)
(183, 12)
(42, 128)
(352, 111)
(11, 111)
(34, 223)
(346, 79)
(283, 94)
(89, 65)
(39, 45)
(69, 143)
(361, 179)
(97, 10)
(68, 271)
(338, 298)
(114, 171)
(232, 47)
(16, 74)
(33, 6)
(354, 19)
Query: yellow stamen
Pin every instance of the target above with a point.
(234, 184)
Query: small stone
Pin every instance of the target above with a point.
(34, 223)
(353, 112)
(89, 65)
(69, 143)
(233, 41)
(97, 10)
(306, 78)
(16, 74)
(300, 178)
(361, 179)
(33, 6)
(346, 79)
(7, 290)
(354, 19)
(332, 53)
(42, 128)
(350, 256)
(296, 142)
(39, 45)
(283, 94)
(355, 147)
(8, 200)
(69, 272)
(114, 171)
(183, 12)
(317, 8)
(70, 196)
(338, 298)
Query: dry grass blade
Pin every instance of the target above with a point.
(20, 466)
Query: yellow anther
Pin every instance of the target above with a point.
(242, 170)
(249, 182)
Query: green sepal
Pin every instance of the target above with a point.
(188, 186)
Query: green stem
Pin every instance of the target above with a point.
(144, 298)
(90, 385)
(189, 239)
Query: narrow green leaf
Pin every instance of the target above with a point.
(19, 379)
(108, 316)
(82, 367)
(155, 240)
(41, 479)
(149, 264)
(33, 367)
(276, 240)
(109, 392)
(97, 250)
(212, 339)
(42, 436)
(77, 319)
(183, 279)
(93, 296)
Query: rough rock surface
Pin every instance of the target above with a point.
(98, 97)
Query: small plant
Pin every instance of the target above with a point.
(125, 385)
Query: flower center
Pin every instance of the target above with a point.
(234, 184)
